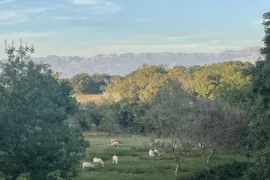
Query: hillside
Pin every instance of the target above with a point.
(123, 64)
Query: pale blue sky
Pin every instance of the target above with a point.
(90, 27)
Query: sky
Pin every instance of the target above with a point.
(91, 27)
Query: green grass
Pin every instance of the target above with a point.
(134, 161)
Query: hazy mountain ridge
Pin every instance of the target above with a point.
(122, 64)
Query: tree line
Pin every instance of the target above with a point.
(90, 84)
(227, 82)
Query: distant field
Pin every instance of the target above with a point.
(134, 161)
(84, 98)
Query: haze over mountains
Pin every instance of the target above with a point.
(122, 64)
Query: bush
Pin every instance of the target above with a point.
(87, 144)
(233, 171)
(24, 176)
(56, 175)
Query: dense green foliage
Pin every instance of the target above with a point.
(259, 115)
(85, 83)
(212, 81)
(139, 87)
(113, 117)
(217, 127)
(140, 84)
(34, 136)
(233, 171)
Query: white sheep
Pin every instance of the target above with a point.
(87, 164)
(112, 140)
(98, 161)
(115, 159)
(156, 152)
(115, 143)
(151, 153)
(200, 145)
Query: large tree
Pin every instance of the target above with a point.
(34, 135)
(217, 128)
(259, 116)
(109, 118)
(140, 85)
(187, 122)
(209, 79)
(82, 83)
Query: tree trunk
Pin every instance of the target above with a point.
(112, 132)
(178, 163)
(205, 161)
(176, 171)
(209, 157)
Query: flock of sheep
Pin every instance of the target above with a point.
(114, 143)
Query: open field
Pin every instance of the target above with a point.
(84, 98)
(134, 161)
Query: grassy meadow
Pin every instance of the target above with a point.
(134, 161)
(84, 98)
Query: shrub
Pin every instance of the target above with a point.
(87, 144)
(56, 175)
(24, 176)
(233, 171)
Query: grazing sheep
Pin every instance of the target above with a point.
(112, 140)
(200, 145)
(87, 164)
(115, 159)
(98, 161)
(156, 152)
(151, 153)
(115, 143)
(175, 146)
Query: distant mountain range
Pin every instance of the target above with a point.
(122, 64)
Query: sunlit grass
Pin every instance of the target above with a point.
(84, 98)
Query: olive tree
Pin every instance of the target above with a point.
(169, 114)
(216, 127)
